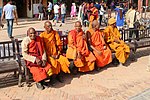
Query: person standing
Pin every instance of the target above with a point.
(56, 12)
(73, 11)
(119, 17)
(63, 13)
(49, 10)
(93, 14)
(132, 18)
(101, 13)
(9, 13)
(41, 11)
(109, 8)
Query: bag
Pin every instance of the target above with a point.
(136, 24)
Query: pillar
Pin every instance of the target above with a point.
(146, 2)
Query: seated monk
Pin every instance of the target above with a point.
(53, 47)
(98, 46)
(35, 56)
(93, 14)
(112, 37)
(77, 50)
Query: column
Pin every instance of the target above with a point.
(146, 2)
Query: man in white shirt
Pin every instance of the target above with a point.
(9, 13)
(132, 18)
(56, 12)
(63, 13)
(49, 9)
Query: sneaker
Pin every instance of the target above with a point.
(40, 86)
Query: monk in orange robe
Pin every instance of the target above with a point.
(77, 50)
(93, 14)
(53, 47)
(34, 54)
(98, 46)
(112, 37)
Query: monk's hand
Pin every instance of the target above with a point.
(55, 56)
(84, 36)
(38, 61)
(99, 52)
(117, 41)
(105, 47)
(79, 55)
(43, 63)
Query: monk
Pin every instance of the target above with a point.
(34, 54)
(93, 14)
(53, 47)
(98, 46)
(112, 37)
(77, 50)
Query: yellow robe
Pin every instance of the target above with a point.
(121, 49)
(53, 46)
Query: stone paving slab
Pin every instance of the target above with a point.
(145, 95)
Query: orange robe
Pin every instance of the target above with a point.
(97, 41)
(93, 16)
(121, 49)
(76, 43)
(36, 48)
(53, 46)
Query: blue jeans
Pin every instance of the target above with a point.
(10, 26)
(63, 18)
(56, 17)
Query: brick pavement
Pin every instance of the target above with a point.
(112, 83)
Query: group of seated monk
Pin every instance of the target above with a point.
(87, 51)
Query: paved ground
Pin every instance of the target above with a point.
(112, 83)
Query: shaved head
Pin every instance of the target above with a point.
(47, 22)
(77, 23)
(78, 26)
(31, 33)
(95, 24)
(48, 26)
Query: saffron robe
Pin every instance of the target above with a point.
(53, 46)
(30, 50)
(76, 43)
(97, 41)
(93, 16)
(121, 49)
